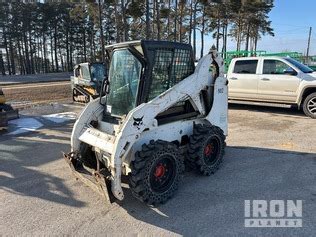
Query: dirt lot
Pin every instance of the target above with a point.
(24, 95)
(270, 155)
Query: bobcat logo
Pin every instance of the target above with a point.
(138, 122)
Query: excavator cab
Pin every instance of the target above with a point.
(141, 70)
(87, 80)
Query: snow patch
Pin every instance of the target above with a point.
(61, 117)
(24, 125)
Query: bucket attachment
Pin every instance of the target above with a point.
(97, 179)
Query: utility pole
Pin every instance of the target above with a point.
(101, 31)
(194, 29)
(309, 43)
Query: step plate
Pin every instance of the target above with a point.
(96, 138)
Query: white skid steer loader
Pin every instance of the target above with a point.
(156, 114)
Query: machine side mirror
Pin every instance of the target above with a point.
(290, 71)
(104, 90)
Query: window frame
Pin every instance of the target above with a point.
(278, 60)
(139, 80)
(85, 71)
(173, 75)
(243, 60)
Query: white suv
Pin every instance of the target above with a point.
(273, 80)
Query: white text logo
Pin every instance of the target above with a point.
(273, 213)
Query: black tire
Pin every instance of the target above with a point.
(156, 172)
(206, 149)
(87, 99)
(309, 105)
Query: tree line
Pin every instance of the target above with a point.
(54, 36)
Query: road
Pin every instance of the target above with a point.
(34, 78)
(270, 156)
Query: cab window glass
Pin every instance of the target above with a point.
(85, 72)
(124, 76)
(97, 72)
(246, 66)
(276, 67)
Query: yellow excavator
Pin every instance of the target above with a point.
(6, 111)
(86, 81)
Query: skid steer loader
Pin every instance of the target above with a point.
(156, 113)
(86, 81)
(6, 111)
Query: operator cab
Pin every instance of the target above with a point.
(91, 74)
(98, 73)
(139, 71)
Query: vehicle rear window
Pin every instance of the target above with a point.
(246, 66)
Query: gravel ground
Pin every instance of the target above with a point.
(276, 128)
(270, 155)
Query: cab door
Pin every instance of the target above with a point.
(278, 82)
(243, 80)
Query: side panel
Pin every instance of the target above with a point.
(218, 115)
(242, 85)
(93, 111)
(276, 86)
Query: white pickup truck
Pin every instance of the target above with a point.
(274, 80)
